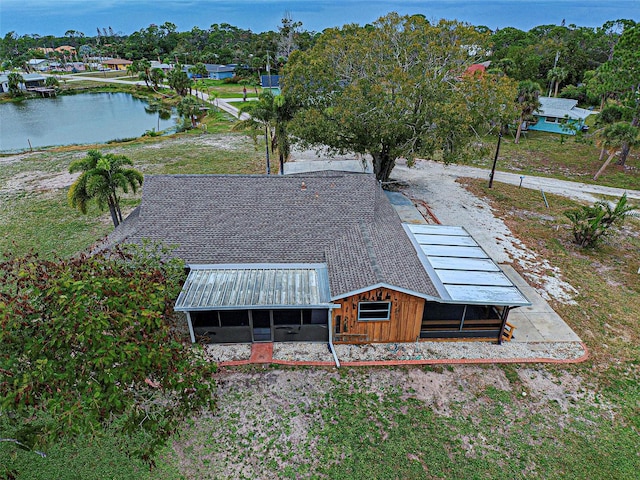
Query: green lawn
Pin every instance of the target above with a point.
(564, 157)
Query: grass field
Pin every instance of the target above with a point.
(571, 158)
(452, 422)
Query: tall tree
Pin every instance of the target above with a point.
(392, 89)
(556, 76)
(269, 115)
(528, 101)
(101, 178)
(620, 77)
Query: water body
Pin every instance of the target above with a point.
(75, 119)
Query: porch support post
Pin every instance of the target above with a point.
(191, 333)
(505, 314)
(330, 327)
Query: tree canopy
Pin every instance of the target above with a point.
(394, 89)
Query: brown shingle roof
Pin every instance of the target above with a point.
(343, 220)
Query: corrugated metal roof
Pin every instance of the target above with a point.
(464, 271)
(240, 286)
(561, 108)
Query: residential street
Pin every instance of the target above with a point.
(576, 190)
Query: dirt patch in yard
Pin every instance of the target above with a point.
(266, 418)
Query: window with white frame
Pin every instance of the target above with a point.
(374, 311)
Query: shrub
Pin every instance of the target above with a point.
(591, 224)
(91, 341)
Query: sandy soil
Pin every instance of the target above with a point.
(454, 205)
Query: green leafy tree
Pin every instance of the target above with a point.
(528, 102)
(93, 340)
(392, 89)
(52, 82)
(615, 138)
(591, 224)
(101, 178)
(14, 82)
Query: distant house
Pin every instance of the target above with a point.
(270, 82)
(72, 67)
(559, 115)
(477, 68)
(40, 64)
(214, 71)
(165, 67)
(66, 49)
(116, 63)
(31, 80)
(318, 257)
(220, 72)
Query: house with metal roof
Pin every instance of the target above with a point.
(320, 257)
(559, 115)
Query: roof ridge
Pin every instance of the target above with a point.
(368, 242)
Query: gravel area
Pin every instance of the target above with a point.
(319, 352)
(227, 353)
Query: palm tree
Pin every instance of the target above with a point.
(528, 98)
(613, 137)
(14, 80)
(179, 81)
(189, 107)
(156, 76)
(556, 76)
(102, 176)
(271, 113)
(199, 69)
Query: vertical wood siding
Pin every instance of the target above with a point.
(403, 326)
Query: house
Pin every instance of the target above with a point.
(481, 68)
(270, 82)
(220, 72)
(72, 67)
(40, 64)
(214, 71)
(165, 67)
(320, 257)
(31, 80)
(66, 49)
(559, 115)
(115, 63)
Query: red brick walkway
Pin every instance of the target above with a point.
(261, 353)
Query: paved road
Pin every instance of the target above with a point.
(577, 190)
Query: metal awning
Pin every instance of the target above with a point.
(252, 286)
(461, 269)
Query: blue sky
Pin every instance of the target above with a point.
(55, 17)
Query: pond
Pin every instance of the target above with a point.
(76, 119)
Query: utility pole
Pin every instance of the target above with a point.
(495, 160)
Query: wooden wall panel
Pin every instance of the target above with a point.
(403, 325)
